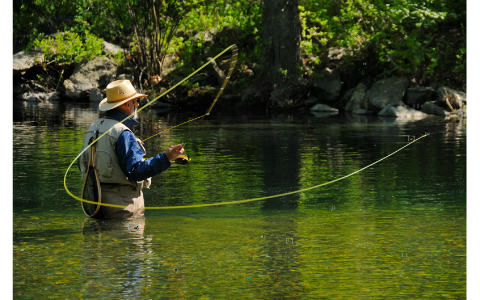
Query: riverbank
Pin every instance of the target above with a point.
(324, 91)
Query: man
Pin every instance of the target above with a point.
(119, 154)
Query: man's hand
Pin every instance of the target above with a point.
(174, 152)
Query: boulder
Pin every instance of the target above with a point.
(323, 108)
(22, 61)
(112, 49)
(416, 96)
(401, 110)
(450, 98)
(385, 92)
(87, 76)
(357, 101)
(432, 109)
(328, 87)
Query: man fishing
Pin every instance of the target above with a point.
(119, 155)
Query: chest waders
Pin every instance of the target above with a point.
(91, 190)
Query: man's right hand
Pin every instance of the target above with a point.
(174, 152)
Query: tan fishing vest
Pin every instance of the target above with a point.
(105, 158)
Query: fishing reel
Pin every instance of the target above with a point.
(182, 159)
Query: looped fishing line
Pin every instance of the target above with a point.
(278, 195)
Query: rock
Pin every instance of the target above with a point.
(400, 110)
(312, 100)
(22, 61)
(329, 86)
(41, 97)
(125, 76)
(87, 76)
(219, 74)
(112, 49)
(95, 96)
(385, 92)
(323, 108)
(416, 96)
(450, 98)
(432, 109)
(286, 97)
(357, 101)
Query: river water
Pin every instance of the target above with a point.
(396, 230)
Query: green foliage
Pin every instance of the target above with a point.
(405, 35)
(70, 47)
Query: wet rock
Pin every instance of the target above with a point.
(357, 101)
(323, 108)
(432, 109)
(401, 110)
(87, 76)
(385, 92)
(450, 98)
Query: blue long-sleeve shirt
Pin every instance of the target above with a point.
(130, 155)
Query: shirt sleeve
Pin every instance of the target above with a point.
(131, 161)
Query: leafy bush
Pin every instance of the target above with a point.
(70, 47)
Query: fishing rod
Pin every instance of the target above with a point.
(184, 159)
(92, 178)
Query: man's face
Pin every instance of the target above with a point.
(133, 107)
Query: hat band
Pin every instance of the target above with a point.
(122, 99)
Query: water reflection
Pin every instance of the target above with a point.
(116, 258)
(344, 240)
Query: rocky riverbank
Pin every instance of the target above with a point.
(389, 97)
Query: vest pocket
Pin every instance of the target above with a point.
(103, 163)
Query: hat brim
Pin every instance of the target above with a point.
(104, 105)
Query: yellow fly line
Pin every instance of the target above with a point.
(266, 197)
(234, 59)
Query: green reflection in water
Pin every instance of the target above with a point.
(394, 231)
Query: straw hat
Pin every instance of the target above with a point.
(119, 92)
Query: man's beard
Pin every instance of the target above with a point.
(135, 116)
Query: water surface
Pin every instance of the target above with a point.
(396, 230)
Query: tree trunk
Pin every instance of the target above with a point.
(281, 38)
